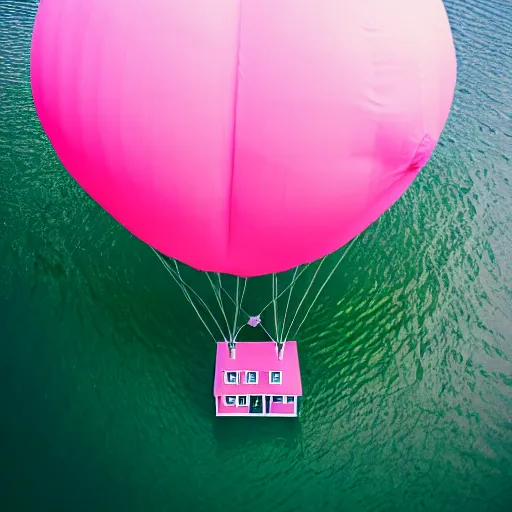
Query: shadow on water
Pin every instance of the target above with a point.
(259, 431)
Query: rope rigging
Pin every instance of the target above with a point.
(220, 292)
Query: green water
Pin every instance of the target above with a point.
(106, 374)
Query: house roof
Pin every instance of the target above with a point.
(258, 356)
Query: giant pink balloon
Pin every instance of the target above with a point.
(243, 136)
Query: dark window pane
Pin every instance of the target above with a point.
(276, 377)
(251, 377)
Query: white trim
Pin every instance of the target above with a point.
(257, 415)
(262, 414)
(257, 377)
(280, 377)
(226, 381)
(241, 414)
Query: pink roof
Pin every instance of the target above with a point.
(258, 356)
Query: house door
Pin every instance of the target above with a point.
(256, 404)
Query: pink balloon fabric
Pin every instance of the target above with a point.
(243, 136)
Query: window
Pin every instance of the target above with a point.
(231, 378)
(275, 377)
(230, 400)
(251, 377)
(242, 401)
(277, 399)
(290, 399)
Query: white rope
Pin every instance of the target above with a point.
(183, 289)
(218, 296)
(295, 278)
(238, 301)
(184, 286)
(305, 294)
(237, 305)
(274, 300)
(200, 300)
(241, 302)
(288, 301)
(322, 287)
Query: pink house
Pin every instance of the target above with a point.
(254, 381)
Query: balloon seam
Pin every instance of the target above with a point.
(233, 136)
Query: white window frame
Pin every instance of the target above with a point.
(246, 401)
(226, 401)
(292, 401)
(226, 380)
(257, 377)
(280, 377)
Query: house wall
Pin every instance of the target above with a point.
(230, 409)
(282, 408)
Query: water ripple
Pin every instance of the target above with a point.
(406, 360)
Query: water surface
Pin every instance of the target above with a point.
(106, 374)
